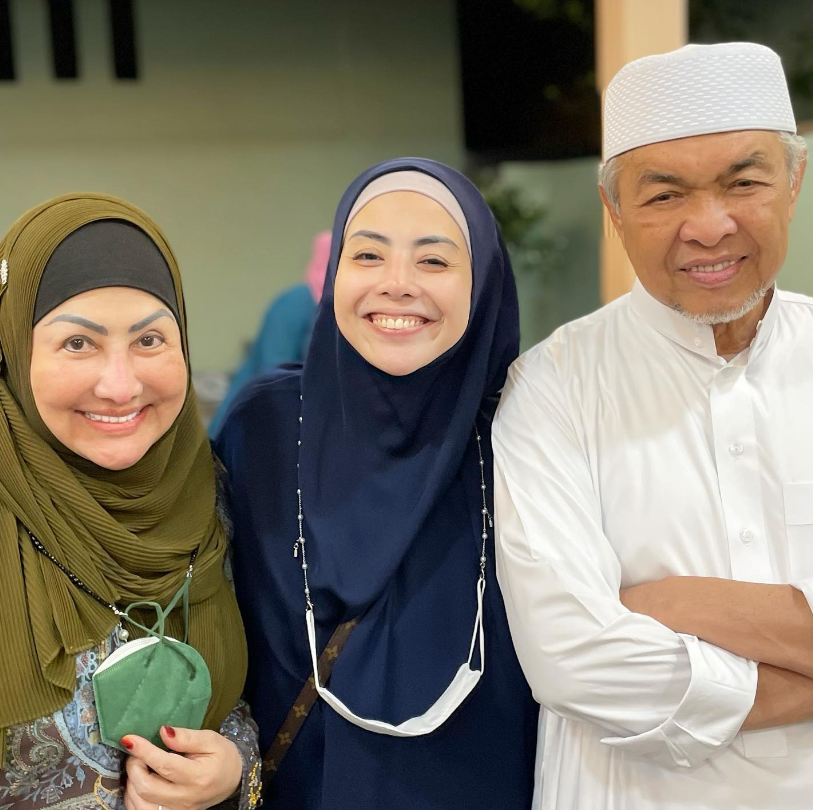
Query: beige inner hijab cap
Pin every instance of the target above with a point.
(421, 184)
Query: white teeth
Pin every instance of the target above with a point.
(711, 268)
(98, 417)
(397, 323)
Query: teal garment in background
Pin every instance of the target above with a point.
(283, 338)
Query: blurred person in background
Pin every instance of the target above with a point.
(654, 465)
(375, 458)
(286, 328)
(108, 497)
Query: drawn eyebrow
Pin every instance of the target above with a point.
(79, 321)
(378, 237)
(434, 240)
(159, 313)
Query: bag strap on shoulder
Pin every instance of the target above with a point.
(307, 696)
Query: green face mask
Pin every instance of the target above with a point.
(152, 681)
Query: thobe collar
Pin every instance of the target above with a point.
(698, 338)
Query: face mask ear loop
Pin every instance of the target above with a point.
(185, 590)
(161, 613)
(184, 593)
(181, 593)
(157, 630)
(478, 626)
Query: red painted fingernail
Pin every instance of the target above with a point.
(169, 731)
(126, 743)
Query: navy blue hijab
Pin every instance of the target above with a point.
(390, 482)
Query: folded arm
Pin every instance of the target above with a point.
(771, 624)
(783, 697)
(768, 623)
(657, 693)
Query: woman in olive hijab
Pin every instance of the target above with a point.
(107, 490)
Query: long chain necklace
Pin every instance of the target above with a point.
(123, 632)
(484, 513)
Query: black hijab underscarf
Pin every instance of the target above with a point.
(104, 253)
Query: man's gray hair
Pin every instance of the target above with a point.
(795, 151)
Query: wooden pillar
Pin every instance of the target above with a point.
(627, 30)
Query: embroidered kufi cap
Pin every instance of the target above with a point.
(696, 90)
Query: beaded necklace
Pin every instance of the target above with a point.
(465, 679)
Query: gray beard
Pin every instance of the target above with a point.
(725, 316)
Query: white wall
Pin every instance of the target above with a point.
(797, 274)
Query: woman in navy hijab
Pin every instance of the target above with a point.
(361, 490)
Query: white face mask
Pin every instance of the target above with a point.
(464, 680)
(439, 712)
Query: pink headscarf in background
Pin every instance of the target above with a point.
(317, 266)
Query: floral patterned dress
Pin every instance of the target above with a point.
(59, 761)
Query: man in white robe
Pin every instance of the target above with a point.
(654, 466)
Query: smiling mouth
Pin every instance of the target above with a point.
(712, 268)
(118, 420)
(714, 275)
(397, 323)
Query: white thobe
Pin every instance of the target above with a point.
(626, 450)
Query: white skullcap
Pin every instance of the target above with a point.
(421, 184)
(696, 90)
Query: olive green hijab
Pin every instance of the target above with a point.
(128, 535)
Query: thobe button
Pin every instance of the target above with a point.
(735, 449)
(698, 342)
(746, 536)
